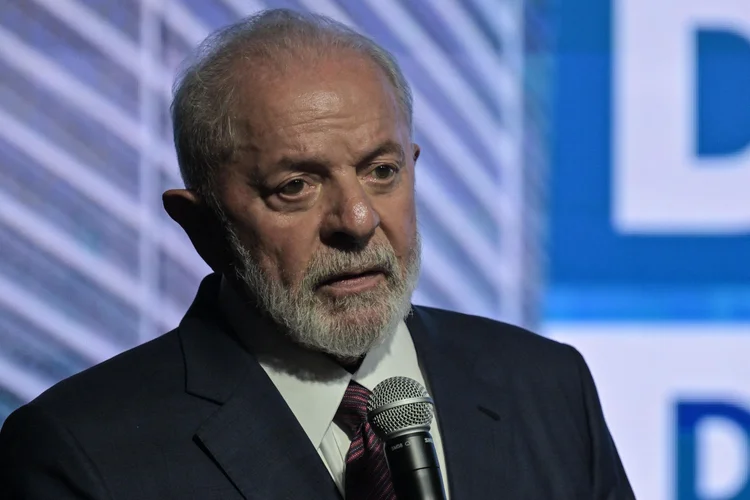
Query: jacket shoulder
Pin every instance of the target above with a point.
(485, 345)
(480, 332)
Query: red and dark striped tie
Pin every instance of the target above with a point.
(367, 474)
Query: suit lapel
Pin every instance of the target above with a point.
(470, 413)
(253, 436)
(258, 444)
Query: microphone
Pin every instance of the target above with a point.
(401, 411)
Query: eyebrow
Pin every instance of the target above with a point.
(388, 147)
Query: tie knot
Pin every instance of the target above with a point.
(352, 411)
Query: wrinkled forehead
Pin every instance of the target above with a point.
(303, 89)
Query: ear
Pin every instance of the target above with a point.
(416, 152)
(201, 225)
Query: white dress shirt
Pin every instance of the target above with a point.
(313, 385)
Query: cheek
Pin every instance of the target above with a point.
(399, 222)
(288, 245)
(281, 244)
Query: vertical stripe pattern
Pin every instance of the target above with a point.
(367, 474)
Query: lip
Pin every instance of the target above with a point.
(356, 282)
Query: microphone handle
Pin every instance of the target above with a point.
(414, 467)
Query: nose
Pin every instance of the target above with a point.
(351, 220)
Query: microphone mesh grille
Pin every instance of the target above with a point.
(403, 416)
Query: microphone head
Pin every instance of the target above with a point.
(398, 405)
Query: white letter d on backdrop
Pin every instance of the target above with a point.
(659, 184)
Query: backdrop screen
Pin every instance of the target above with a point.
(650, 232)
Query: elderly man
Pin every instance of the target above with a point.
(294, 137)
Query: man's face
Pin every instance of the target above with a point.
(320, 205)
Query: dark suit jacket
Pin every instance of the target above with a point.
(191, 415)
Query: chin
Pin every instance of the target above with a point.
(357, 317)
(361, 319)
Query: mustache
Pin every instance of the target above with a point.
(331, 264)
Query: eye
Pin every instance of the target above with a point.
(384, 172)
(293, 187)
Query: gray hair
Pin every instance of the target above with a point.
(205, 91)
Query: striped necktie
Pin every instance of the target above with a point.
(367, 474)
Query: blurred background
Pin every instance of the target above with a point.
(588, 178)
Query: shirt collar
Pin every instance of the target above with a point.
(311, 383)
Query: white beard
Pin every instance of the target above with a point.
(345, 327)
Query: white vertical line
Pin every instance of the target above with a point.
(148, 254)
(511, 217)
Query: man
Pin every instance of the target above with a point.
(294, 138)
